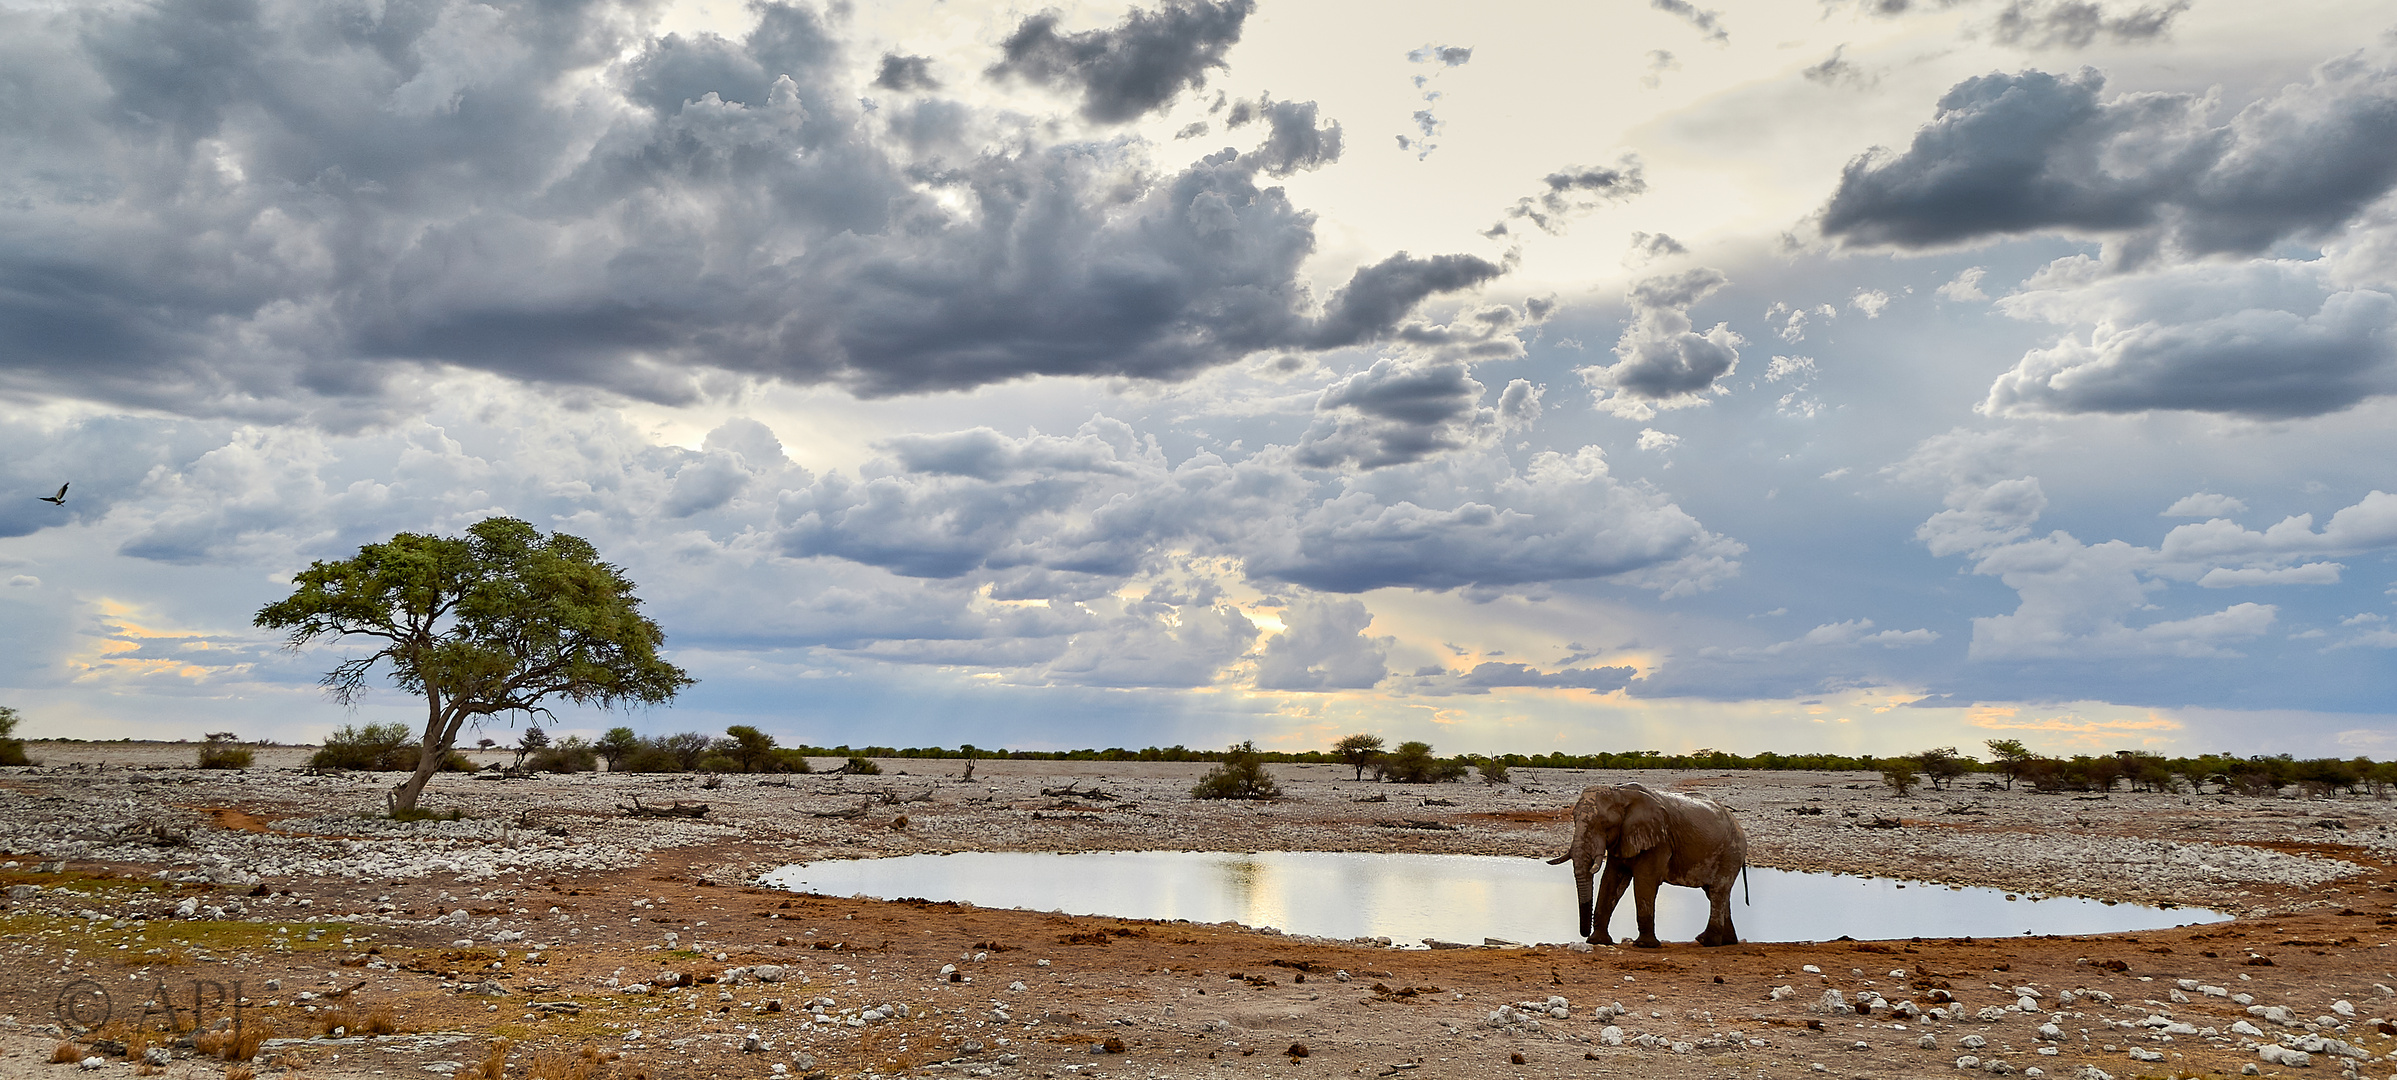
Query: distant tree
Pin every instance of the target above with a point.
(571, 754)
(223, 750)
(616, 745)
(1411, 763)
(859, 766)
(485, 744)
(1241, 775)
(12, 749)
(373, 747)
(752, 750)
(2009, 754)
(1493, 770)
(1900, 774)
(1941, 764)
(495, 622)
(687, 748)
(1359, 751)
(534, 741)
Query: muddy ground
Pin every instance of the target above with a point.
(549, 929)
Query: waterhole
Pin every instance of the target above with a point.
(1413, 898)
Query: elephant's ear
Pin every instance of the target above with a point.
(1643, 824)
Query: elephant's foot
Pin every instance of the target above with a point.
(1713, 938)
(1647, 941)
(1600, 939)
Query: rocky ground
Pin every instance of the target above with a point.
(551, 932)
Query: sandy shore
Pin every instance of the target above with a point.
(530, 918)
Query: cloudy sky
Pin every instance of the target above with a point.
(1646, 374)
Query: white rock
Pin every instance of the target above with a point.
(1611, 1035)
(2281, 1055)
(2250, 1030)
(1968, 1062)
(2051, 1032)
(2142, 1054)
(1782, 993)
(1972, 1042)
(2345, 1009)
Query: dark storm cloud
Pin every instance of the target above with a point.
(1572, 192)
(2077, 24)
(1396, 412)
(2036, 152)
(281, 210)
(905, 73)
(2266, 340)
(1662, 360)
(1293, 142)
(1323, 647)
(1709, 23)
(1134, 67)
(1492, 674)
(1101, 502)
(1378, 296)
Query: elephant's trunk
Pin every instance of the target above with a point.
(1581, 888)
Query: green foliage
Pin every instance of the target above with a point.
(859, 766)
(222, 751)
(788, 759)
(571, 754)
(1241, 775)
(1412, 763)
(714, 762)
(497, 621)
(1493, 770)
(1942, 765)
(12, 749)
(533, 742)
(1359, 751)
(652, 758)
(374, 747)
(1900, 774)
(616, 745)
(686, 748)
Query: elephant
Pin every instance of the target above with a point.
(1650, 838)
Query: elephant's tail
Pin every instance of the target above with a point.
(1743, 886)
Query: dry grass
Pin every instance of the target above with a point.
(239, 1045)
(241, 1072)
(494, 1065)
(67, 1053)
(379, 1021)
(563, 1066)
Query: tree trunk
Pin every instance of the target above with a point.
(438, 733)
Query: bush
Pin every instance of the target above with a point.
(790, 760)
(651, 758)
(1899, 774)
(571, 754)
(223, 751)
(1241, 776)
(719, 763)
(859, 766)
(12, 750)
(1411, 763)
(375, 748)
(1493, 770)
(619, 743)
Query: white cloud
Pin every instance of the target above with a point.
(2205, 505)
(1869, 301)
(2223, 577)
(1966, 287)
(1652, 439)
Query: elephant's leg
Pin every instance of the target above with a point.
(1718, 917)
(1615, 877)
(1644, 883)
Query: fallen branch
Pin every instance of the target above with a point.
(857, 811)
(1411, 823)
(1069, 792)
(680, 809)
(889, 799)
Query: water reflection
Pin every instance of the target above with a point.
(1409, 898)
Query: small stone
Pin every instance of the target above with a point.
(156, 1055)
(92, 1064)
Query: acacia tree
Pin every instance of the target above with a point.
(1359, 750)
(496, 621)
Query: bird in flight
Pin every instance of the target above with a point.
(58, 499)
